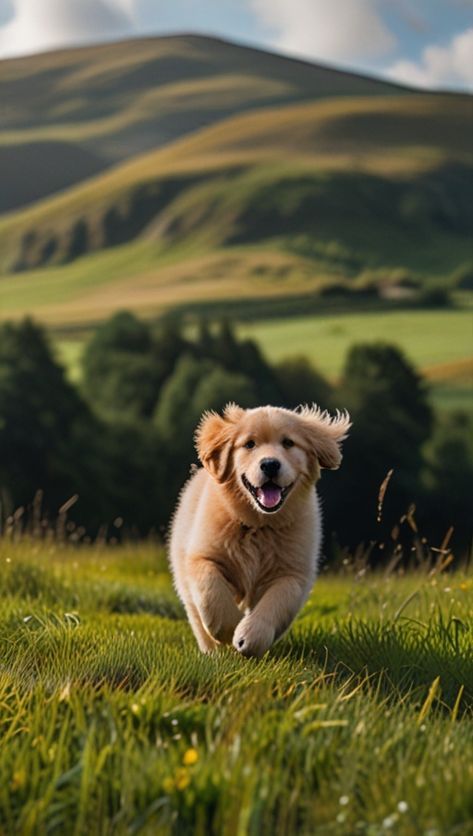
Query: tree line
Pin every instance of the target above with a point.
(122, 440)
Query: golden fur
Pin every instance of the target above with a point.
(244, 548)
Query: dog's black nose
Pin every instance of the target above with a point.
(270, 467)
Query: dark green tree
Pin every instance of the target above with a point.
(218, 387)
(244, 357)
(253, 364)
(48, 438)
(300, 383)
(226, 348)
(194, 386)
(392, 420)
(197, 385)
(205, 340)
(174, 414)
(168, 346)
(119, 376)
(138, 465)
(448, 480)
(122, 332)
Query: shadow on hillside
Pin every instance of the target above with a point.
(114, 225)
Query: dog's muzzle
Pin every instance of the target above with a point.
(269, 497)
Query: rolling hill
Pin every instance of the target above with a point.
(340, 186)
(326, 182)
(114, 101)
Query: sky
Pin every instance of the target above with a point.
(424, 43)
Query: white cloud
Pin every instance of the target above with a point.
(439, 66)
(331, 30)
(45, 24)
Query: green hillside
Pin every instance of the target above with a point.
(117, 100)
(391, 191)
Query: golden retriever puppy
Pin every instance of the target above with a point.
(246, 534)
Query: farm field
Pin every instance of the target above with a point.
(358, 721)
(428, 337)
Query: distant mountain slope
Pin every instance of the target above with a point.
(233, 181)
(118, 100)
(303, 180)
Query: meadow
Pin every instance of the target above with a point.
(430, 338)
(358, 721)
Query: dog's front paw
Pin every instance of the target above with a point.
(253, 636)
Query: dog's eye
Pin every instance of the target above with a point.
(287, 443)
(250, 444)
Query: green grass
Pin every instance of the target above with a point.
(358, 721)
(429, 337)
(48, 290)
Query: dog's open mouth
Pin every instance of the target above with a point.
(269, 497)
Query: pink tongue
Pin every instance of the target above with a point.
(269, 495)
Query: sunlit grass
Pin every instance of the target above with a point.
(428, 337)
(112, 722)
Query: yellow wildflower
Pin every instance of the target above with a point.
(182, 779)
(190, 757)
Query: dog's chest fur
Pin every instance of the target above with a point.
(255, 557)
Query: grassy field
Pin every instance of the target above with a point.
(358, 721)
(429, 337)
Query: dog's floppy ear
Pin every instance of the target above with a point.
(325, 434)
(214, 438)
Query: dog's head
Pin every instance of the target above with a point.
(268, 452)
